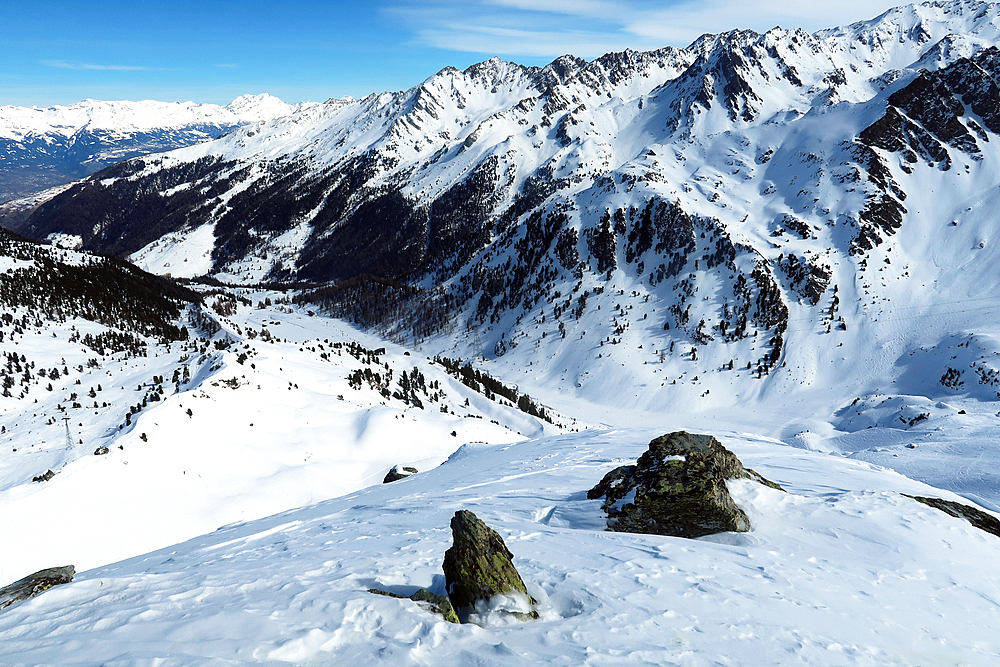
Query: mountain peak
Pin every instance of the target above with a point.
(259, 107)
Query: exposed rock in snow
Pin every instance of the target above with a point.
(397, 473)
(976, 517)
(439, 604)
(678, 488)
(478, 571)
(35, 584)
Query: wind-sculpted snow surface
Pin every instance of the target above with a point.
(840, 570)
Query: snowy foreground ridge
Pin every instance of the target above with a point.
(841, 570)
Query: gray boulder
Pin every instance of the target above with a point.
(478, 566)
(397, 473)
(36, 583)
(677, 487)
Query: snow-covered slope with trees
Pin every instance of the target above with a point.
(44, 147)
(777, 218)
(202, 408)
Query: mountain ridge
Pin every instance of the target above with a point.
(532, 271)
(742, 200)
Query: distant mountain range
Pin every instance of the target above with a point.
(41, 148)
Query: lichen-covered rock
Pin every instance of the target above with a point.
(36, 583)
(677, 487)
(478, 565)
(397, 473)
(976, 517)
(438, 604)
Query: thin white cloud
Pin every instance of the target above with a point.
(226, 65)
(579, 8)
(63, 64)
(514, 42)
(589, 28)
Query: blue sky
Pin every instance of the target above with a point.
(59, 52)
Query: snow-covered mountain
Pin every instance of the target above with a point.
(785, 240)
(44, 147)
(119, 382)
(745, 206)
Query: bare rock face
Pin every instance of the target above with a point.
(478, 566)
(677, 487)
(34, 584)
(976, 517)
(438, 604)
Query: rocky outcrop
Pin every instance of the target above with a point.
(976, 517)
(926, 116)
(34, 584)
(478, 567)
(44, 477)
(678, 488)
(438, 604)
(397, 473)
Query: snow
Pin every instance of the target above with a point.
(279, 251)
(841, 570)
(183, 254)
(68, 241)
(9, 264)
(287, 457)
(281, 430)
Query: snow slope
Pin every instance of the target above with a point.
(785, 240)
(810, 209)
(252, 419)
(841, 570)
